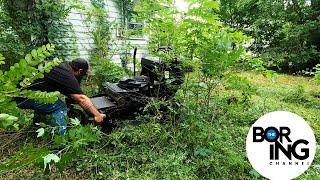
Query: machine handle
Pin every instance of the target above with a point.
(134, 61)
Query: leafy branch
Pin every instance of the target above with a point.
(16, 81)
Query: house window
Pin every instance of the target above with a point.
(132, 27)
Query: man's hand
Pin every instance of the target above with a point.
(87, 105)
(99, 118)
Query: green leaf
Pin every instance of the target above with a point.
(23, 74)
(50, 47)
(4, 116)
(212, 4)
(7, 120)
(48, 159)
(2, 59)
(40, 68)
(43, 48)
(34, 53)
(75, 121)
(203, 85)
(15, 126)
(40, 132)
(28, 58)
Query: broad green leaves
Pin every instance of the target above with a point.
(215, 46)
(195, 35)
(83, 136)
(7, 121)
(15, 81)
(26, 71)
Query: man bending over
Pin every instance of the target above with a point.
(66, 79)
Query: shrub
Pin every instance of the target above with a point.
(14, 83)
(241, 84)
(296, 95)
(103, 71)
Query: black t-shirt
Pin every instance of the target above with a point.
(60, 78)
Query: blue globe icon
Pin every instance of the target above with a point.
(271, 134)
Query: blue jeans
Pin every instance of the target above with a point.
(58, 110)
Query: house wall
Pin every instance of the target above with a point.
(84, 41)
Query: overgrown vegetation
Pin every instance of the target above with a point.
(103, 70)
(204, 132)
(14, 84)
(205, 144)
(286, 33)
(25, 25)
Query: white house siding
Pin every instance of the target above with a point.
(85, 42)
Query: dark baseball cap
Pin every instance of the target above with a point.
(80, 63)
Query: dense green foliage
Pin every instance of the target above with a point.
(25, 25)
(102, 72)
(203, 133)
(202, 142)
(286, 33)
(100, 31)
(14, 84)
(102, 69)
(198, 35)
(125, 7)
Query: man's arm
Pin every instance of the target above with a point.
(87, 105)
